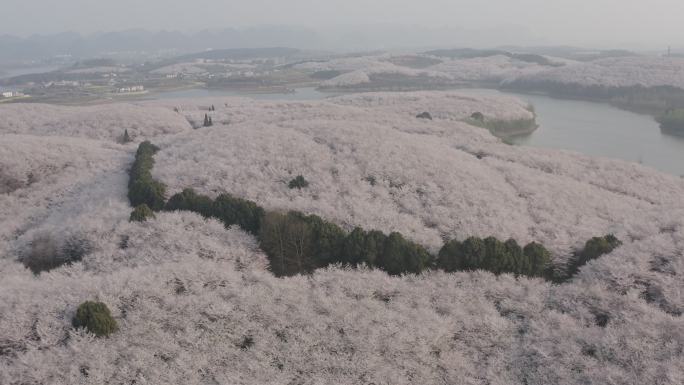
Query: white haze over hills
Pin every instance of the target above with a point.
(186, 291)
(617, 23)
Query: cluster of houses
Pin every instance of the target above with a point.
(11, 94)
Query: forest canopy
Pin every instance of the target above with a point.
(184, 284)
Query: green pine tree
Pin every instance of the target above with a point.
(126, 137)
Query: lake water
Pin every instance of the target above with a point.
(591, 128)
(603, 130)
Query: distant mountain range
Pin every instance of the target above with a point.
(240, 53)
(141, 44)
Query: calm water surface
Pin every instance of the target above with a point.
(601, 130)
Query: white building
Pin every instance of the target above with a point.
(132, 89)
(11, 94)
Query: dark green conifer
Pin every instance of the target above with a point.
(126, 137)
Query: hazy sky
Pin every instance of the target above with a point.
(587, 22)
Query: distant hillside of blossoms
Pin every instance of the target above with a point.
(617, 72)
(195, 302)
(628, 71)
(103, 122)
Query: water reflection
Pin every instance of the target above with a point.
(602, 130)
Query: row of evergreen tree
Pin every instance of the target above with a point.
(142, 188)
(593, 249)
(296, 243)
(496, 256)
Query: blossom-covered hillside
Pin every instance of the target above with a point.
(371, 71)
(433, 180)
(498, 68)
(104, 122)
(54, 184)
(195, 302)
(616, 72)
